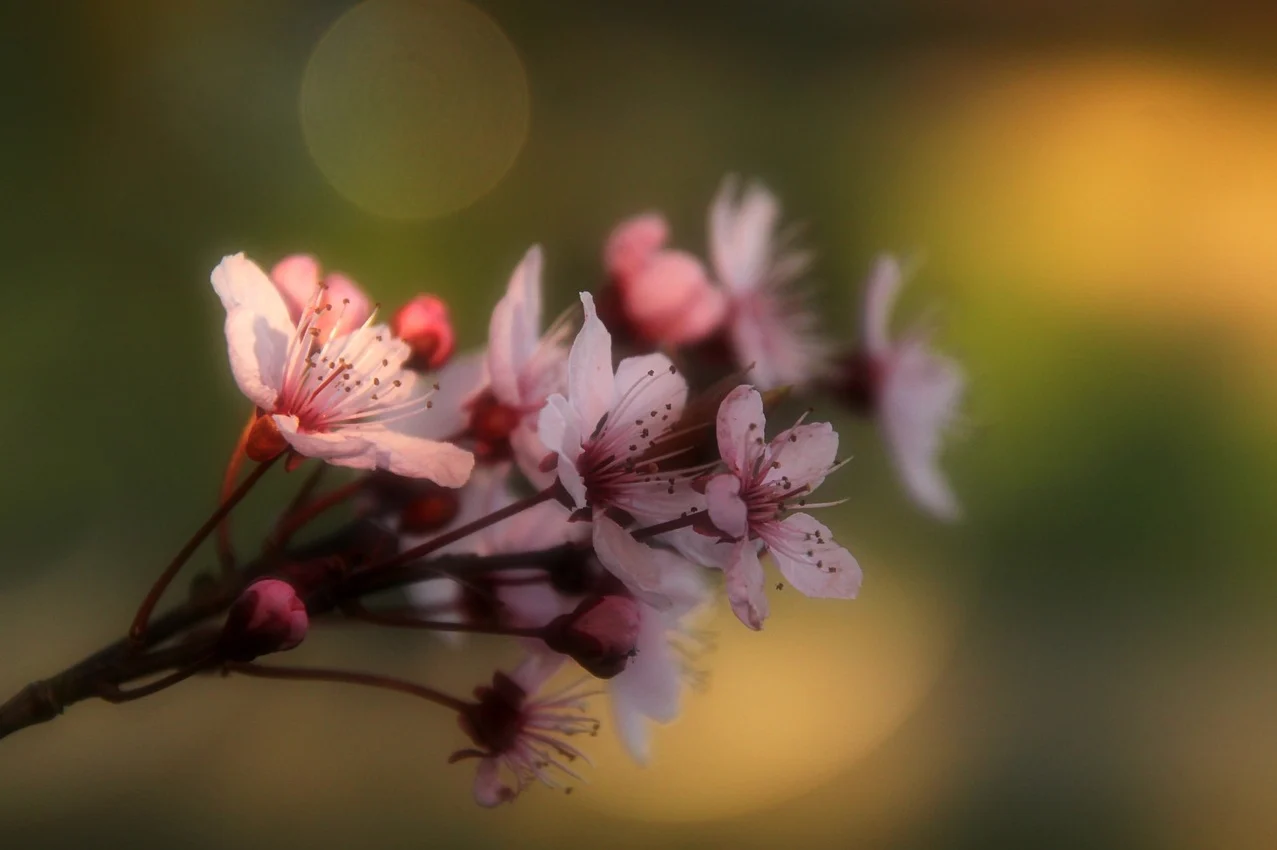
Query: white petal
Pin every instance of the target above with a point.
(529, 451)
(881, 291)
(740, 425)
(649, 688)
(258, 328)
(489, 790)
(650, 391)
(726, 508)
(743, 577)
(811, 561)
(374, 446)
(341, 448)
(920, 399)
(741, 234)
(514, 328)
(590, 377)
(458, 382)
(639, 566)
(803, 454)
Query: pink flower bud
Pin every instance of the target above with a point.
(268, 617)
(423, 324)
(343, 306)
(600, 634)
(632, 245)
(671, 301)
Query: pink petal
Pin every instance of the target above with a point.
(726, 508)
(258, 328)
(803, 454)
(296, 276)
(590, 376)
(632, 244)
(489, 790)
(881, 291)
(743, 577)
(920, 399)
(639, 566)
(649, 688)
(647, 384)
(740, 425)
(671, 300)
(741, 234)
(458, 382)
(514, 328)
(374, 446)
(809, 559)
(351, 306)
(529, 451)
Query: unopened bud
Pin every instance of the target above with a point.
(268, 617)
(600, 635)
(423, 324)
(431, 511)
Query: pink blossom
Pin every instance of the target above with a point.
(423, 323)
(755, 499)
(340, 397)
(772, 328)
(520, 737)
(267, 617)
(606, 434)
(914, 392)
(666, 295)
(298, 276)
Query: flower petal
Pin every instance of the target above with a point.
(258, 328)
(639, 566)
(515, 327)
(590, 377)
(726, 508)
(651, 389)
(374, 446)
(458, 382)
(920, 399)
(740, 425)
(803, 454)
(881, 291)
(650, 686)
(743, 577)
(489, 790)
(741, 234)
(811, 561)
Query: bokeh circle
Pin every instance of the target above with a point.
(414, 108)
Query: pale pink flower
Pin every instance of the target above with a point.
(298, 276)
(914, 392)
(605, 433)
(773, 330)
(755, 501)
(520, 737)
(650, 688)
(339, 397)
(666, 295)
(509, 597)
(522, 367)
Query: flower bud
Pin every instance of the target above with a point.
(433, 510)
(671, 301)
(268, 617)
(600, 635)
(423, 324)
(632, 245)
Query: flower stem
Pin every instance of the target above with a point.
(303, 512)
(348, 677)
(407, 619)
(115, 694)
(436, 543)
(138, 630)
(225, 552)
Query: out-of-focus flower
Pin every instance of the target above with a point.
(773, 331)
(423, 323)
(605, 433)
(340, 397)
(666, 295)
(267, 617)
(755, 499)
(522, 735)
(913, 392)
(342, 307)
(522, 367)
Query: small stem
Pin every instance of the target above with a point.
(300, 514)
(370, 680)
(138, 630)
(368, 581)
(407, 620)
(115, 694)
(436, 543)
(684, 521)
(225, 552)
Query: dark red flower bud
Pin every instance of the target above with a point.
(600, 635)
(423, 323)
(431, 511)
(268, 617)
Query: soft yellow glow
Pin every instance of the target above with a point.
(414, 108)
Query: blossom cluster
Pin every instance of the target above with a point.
(647, 477)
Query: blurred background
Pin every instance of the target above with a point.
(1091, 188)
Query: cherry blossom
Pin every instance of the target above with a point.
(298, 276)
(606, 433)
(773, 330)
(666, 295)
(913, 392)
(520, 737)
(755, 501)
(340, 397)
